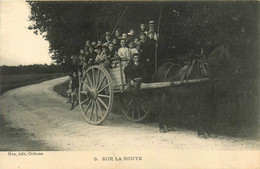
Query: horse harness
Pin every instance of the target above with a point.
(202, 63)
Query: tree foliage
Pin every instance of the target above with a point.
(184, 26)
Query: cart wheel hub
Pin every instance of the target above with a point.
(93, 94)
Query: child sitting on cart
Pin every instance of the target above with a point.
(102, 57)
(134, 73)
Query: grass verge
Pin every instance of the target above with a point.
(62, 88)
(9, 82)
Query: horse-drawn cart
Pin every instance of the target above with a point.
(99, 85)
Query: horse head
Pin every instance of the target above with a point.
(219, 60)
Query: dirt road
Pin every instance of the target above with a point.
(40, 111)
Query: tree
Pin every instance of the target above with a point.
(184, 25)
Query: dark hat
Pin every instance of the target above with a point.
(99, 47)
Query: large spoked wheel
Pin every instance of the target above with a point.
(96, 94)
(136, 106)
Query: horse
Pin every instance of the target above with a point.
(218, 67)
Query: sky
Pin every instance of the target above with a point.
(18, 45)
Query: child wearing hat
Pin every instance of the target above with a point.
(130, 35)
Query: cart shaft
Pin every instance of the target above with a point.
(170, 84)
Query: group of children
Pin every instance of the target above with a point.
(135, 50)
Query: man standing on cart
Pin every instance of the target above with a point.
(149, 56)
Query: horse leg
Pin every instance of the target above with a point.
(202, 117)
(210, 113)
(162, 114)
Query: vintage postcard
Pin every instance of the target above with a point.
(129, 84)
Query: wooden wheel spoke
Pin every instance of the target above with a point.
(135, 107)
(138, 112)
(98, 76)
(101, 82)
(87, 107)
(93, 78)
(100, 109)
(84, 101)
(133, 111)
(89, 80)
(102, 102)
(103, 95)
(131, 101)
(143, 108)
(103, 88)
(86, 83)
(129, 106)
(95, 110)
(128, 109)
(92, 109)
(83, 92)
